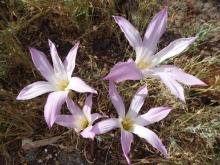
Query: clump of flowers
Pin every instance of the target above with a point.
(60, 83)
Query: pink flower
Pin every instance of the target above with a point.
(147, 63)
(132, 122)
(59, 81)
(80, 120)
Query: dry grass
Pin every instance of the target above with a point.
(190, 132)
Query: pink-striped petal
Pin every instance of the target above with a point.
(175, 88)
(126, 140)
(80, 86)
(87, 107)
(124, 71)
(94, 117)
(42, 64)
(87, 133)
(155, 30)
(65, 121)
(35, 89)
(57, 63)
(150, 137)
(53, 105)
(131, 33)
(137, 102)
(180, 76)
(69, 62)
(116, 100)
(174, 48)
(105, 126)
(152, 116)
(73, 108)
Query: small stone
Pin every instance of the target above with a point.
(50, 156)
(40, 161)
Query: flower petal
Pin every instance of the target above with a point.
(35, 89)
(42, 64)
(155, 30)
(69, 62)
(124, 71)
(137, 102)
(175, 88)
(87, 133)
(126, 140)
(87, 107)
(94, 117)
(80, 86)
(65, 121)
(172, 49)
(152, 116)
(105, 126)
(180, 76)
(53, 105)
(131, 33)
(74, 109)
(57, 63)
(116, 100)
(150, 137)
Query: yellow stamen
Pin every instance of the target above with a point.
(61, 86)
(127, 124)
(142, 65)
(84, 123)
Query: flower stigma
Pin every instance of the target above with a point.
(84, 124)
(142, 65)
(127, 124)
(62, 84)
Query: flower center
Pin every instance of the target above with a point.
(142, 65)
(80, 122)
(127, 124)
(84, 124)
(62, 84)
